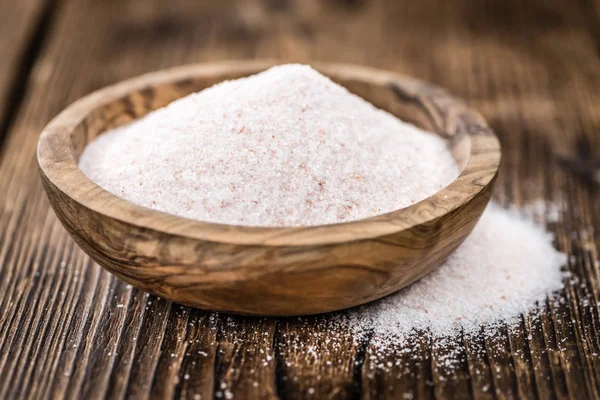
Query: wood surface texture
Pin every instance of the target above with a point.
(257, 270)
(69, 329)
(22, 28)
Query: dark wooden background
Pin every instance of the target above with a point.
(69, 329)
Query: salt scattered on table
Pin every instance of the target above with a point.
(506, 266)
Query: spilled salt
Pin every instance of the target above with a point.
(505, 266)
(285, 147)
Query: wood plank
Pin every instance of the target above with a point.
(246, 362)
(532, 68)
(317, 358)
(147, 348)
(22, 27)
(542, 370)
(404, 371)
(200, 356)
(480, 370)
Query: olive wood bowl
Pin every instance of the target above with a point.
(266, 270)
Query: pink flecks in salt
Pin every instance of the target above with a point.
(286, 147)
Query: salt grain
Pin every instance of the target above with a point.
(501, 271)
(285, 147)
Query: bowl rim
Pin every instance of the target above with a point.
(58, 166)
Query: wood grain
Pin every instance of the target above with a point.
(267, 271)
(532, 68)
(23, 25)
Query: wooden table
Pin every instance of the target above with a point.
(69, 329)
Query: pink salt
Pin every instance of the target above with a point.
(286, 147)
(504, 269)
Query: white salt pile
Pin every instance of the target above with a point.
(502, 269)
(285, 147)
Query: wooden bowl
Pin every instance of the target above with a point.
(267, 271)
